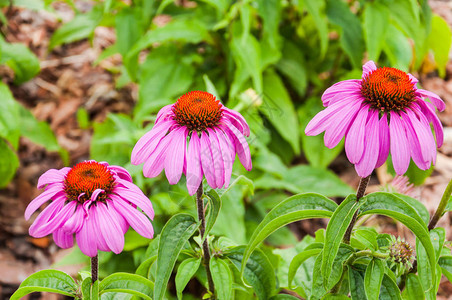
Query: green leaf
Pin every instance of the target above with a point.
(277, 106)
(258, 270)
(445, 262)
(214, 210)
(389, 289)
(9, 163)
(439, 40)
(80, 27)
(133, 240)
(316, 8)
(270, 10)
(21, 60)
(373, 278)
(364, 238)
(417, 205)
(376, 21)
(86, 288)
(351, 39)
(293, 66)
(295, 208)
(335, 231)
(174, 235)
(413, 288)
(127, 283)
(298, 260)
(356, 284)
(185, 272)
(52, 281)
(398, 48)
(145, 267)
(9, 116)
(283, 297)
(339, 265)
(392, 206)
(95, 290)
(222, 278)
(318, 289)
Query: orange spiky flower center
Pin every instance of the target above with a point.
(388, 89)
(197, 110)
(86, 177)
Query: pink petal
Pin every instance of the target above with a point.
(62, 239)
(51, 192)
(136, 219)
(354, 140)
(123, 224)
(109, 228)
(149, 142)
(194, 172)
(371, 149)
(432, 117)
(121, 172)
(156, 161)
(368, 68)
(86, 240)
(399, 144)
(237, 120)
(75, 222)
(240, 143)
(47, 214)
(413, 79)
(163, 113)
(424, 135)
(350, 86)
(52, 176)
(139, 200)
(96, 193)
(384, 141)
(414, 144)
(54, 223)
(340, 125)
(228, 152)
(174, 160)
(217, 157)
(207, 160)
(434, 98)
(94, 226)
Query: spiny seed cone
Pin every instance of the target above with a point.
(401, 252)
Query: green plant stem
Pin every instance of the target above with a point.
(94, 268)
(205, 244)
(441, 207)
(359, 194)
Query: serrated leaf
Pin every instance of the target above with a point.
(214, 210)
(335, 231)
(298, 260)
(258, 272)
(185, 272)
(293, 209)
(127, 283)
(373, 278)
(174, 235)
(376, 21)
(222, 278)
(52, 281)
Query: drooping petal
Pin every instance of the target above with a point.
(207, 160)
(194, 172)
(371, 147)
(54, 223)
(94, 226)
(339, 126)
(399, 144)
(109, 228)
(62, 239)
(217, 157)
(346, 87)
(75, 222)
(354, 140)
(86, 240)
(174, 160)
(384, 140)
(163, 113)
(432, 117)
(241, 145)
(47, 214)
(228, 152)
(156, 161)
(413, 79)
(414, 143)
(237, 120)
(434, 98)
(52, 176)
(123, 224)
(96, 193)
(139, 200)
(52, 192)
(368, 68)
(121, 172)
(424, 136)
(136, 219)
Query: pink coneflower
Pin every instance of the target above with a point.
(96, 202)
(196, 136)
(382, 112)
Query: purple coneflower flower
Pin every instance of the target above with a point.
(196, 136)
(96, 202)
(382, 112)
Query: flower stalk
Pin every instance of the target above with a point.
(359, 194)
(205, 243)
(441, 207)
(94, 269)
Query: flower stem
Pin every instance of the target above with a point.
(359, 194)
(202, 230)
(94, 268)
(441, 207)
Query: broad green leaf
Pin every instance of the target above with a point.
(298, 260)
(413, 288)
(144, 268)
(185, 272)
(439, 40)
(270, 11)
(295, 208)
(335, 297)
(293, 66)
(52, 281)
(445, 262)
(258, 271)
(210, 87)
(438, 236)
(278, 108)
(21, 60)
(364, 238)
(335, 231)
(344, 253)
(222, 278)
(417, 205)
(174, 235)
(373, 278)
(351, 39)
(283, 297)
(81, 27)
(133, 240)
(127, 283)
(316, 8)
(392, 206)
(318, 288)
(398, 48)
(188, 30)
(416, 175)
(214, 210)
(356, 284)
(95, 290)
(9, 116)
(389, 289)
(9, 163)
(86, 288)
(376, 21)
